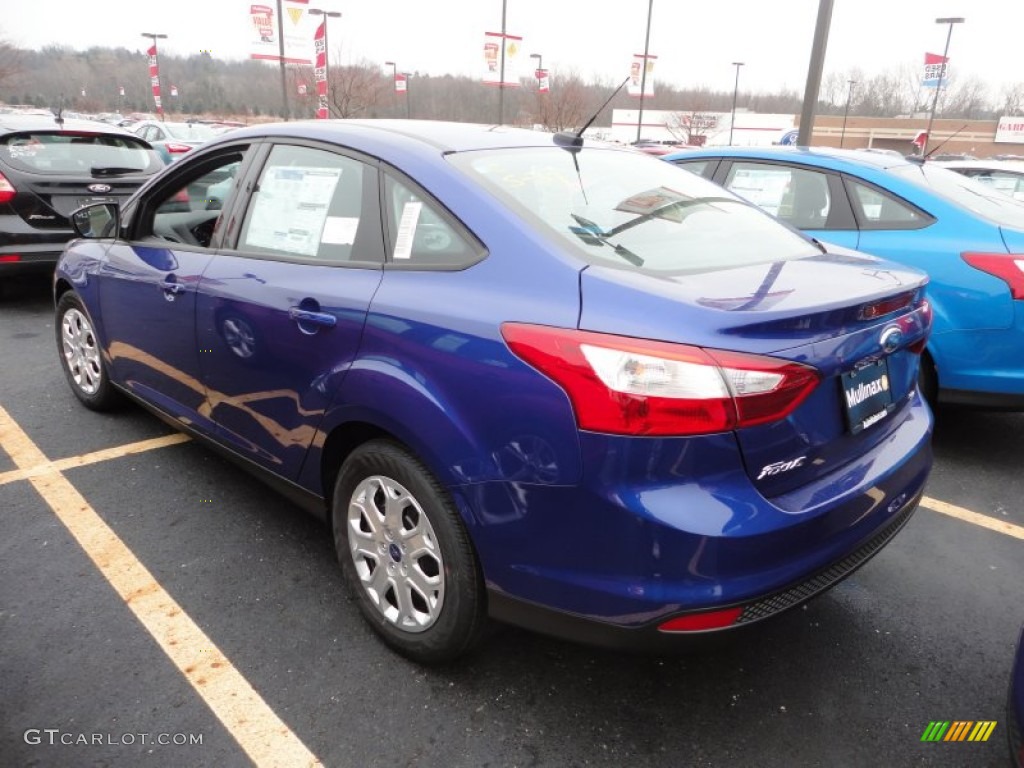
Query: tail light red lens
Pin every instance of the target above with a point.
(626, 386)
(7, 190)
(9, 258)
(1008, 267)
(177, 149)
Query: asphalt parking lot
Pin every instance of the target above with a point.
(159, 607)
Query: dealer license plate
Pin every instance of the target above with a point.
(867, 395)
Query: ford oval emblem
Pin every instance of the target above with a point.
(891, 338)
(99, 189)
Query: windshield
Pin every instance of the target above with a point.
(76, 153)
(625, 208)
(962, 190)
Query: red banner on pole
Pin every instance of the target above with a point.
(154, 78)
(401, 83)
(320, 70)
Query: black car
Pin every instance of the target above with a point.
(49, 167)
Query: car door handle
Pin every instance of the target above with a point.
(308, 316)
(173, 288)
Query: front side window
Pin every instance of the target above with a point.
(311, 205)
(189, 211)
(618, 207)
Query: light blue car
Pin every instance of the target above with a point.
(968, 237)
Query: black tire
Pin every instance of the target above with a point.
(388, 576)
(82, 356)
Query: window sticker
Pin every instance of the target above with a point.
(407, 229)
(291, 209)
(340, 230)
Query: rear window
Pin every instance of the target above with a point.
(623, 208)
(983, 200)
(77, 153)
(189, 131)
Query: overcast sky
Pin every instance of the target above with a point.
(695, 42)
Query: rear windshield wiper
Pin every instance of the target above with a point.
(112, 170)
(591, 234)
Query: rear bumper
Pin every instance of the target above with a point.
(649, 637)
(610, 563)
(30, 257)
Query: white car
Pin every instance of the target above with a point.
(1007, 176)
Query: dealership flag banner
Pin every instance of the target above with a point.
(320, 71)
(492, 59)
(298, 31)
(543, 81)
(934, 68)
(636, 76)
(154, 78)
(401, 83)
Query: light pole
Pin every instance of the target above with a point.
(540, 66)
(643, 71)
(849, 95)
(408, 95)
(942, 70)
(154, 72)
(327, 56)
(735, 94)
(394, 81)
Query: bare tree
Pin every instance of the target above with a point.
(1013, 99)
(10, 60)
(566, 105)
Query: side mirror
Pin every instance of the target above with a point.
(97, 221)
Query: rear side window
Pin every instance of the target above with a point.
(68, 152)
(314, 205)
(422, 233)
(880, 210)
(798, 196)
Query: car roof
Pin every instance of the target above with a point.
(810, 155)
(13, 123)
(439, 136)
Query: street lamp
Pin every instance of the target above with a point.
(408, 95)
(849, 95)
(942, 70)
(326, 15)
(735, 93)
(394, 81)
(540, 66)
(154, 72)
(643, 71)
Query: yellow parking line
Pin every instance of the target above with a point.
(264, 737)
(91, 458)
(974, 518)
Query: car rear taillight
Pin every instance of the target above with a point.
(626, 386)
(177, 149)
(1008, 267)
(10, 258)
(7, 190)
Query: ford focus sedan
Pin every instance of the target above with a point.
(968, 237)
(522, 376)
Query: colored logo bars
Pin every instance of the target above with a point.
(958, 730)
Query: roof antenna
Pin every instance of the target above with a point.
(936, 148)
(575, 140)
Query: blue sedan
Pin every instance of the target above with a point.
(525, 376)
(968, 238)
